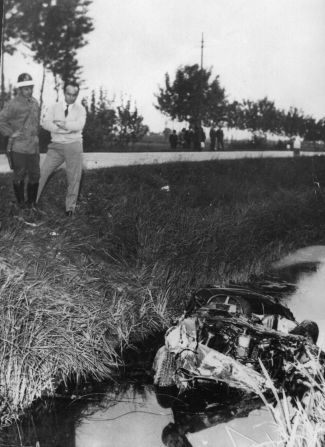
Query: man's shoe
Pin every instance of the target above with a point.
(69, 213)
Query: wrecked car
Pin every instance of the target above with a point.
(238, 337)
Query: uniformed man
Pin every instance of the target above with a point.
(19, 120)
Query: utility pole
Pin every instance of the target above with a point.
(202, 46)
(201, 85)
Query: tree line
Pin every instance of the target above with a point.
(195, 98)
(52, 31)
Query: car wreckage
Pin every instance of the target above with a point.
(239, 337)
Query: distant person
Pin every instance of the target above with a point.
(220, 136)
(19, 120)
(213, 138)
(202, 138)
(199, 138)
(196, 139)
(65, 120)
(173, 140)
(189, 138)
(181, 138)
(297, 143)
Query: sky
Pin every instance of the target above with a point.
(259, 48)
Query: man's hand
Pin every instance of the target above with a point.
(60, 124)
(16, 134)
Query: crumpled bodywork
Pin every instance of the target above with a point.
(233, 335)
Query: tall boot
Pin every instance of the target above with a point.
(31, 194)
(19, 192)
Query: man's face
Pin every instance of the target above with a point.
(26, 92)
(70, 94)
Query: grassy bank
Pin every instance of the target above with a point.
(76, 292)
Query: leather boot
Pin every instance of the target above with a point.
(19, 192)
(31, 194)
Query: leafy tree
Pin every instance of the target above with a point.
(108, 126)
(261, 115)
(293, 122)
(53, 30)
(321, 129)
(235, 117)
(101, 118)
(192, 96)
(9, 33)
(129, 125)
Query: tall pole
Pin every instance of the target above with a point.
(202, 46)
(201, 85)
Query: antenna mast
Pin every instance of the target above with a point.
(202, 46)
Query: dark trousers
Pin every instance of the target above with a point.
(26, 165)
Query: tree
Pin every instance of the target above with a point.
(192, 97)
(101, 118)
(110, 126)
(293, 122)
(321, 129)
(129, 124)
(53, 30)
(261, 115)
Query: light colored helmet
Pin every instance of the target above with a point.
(24, 80)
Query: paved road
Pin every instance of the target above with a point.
(96, 160)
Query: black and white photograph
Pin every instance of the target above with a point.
(162, 223)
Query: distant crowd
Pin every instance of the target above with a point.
(194, 138)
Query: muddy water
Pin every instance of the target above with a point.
(131, 415)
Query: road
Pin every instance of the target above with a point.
(96, 160)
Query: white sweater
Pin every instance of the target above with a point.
(74, 122)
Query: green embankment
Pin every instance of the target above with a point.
(76, 292)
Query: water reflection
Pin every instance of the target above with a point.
(156, 419)
(127, 419)
(307, 302)
(139, 417)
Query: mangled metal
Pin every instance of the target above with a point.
(236, 336)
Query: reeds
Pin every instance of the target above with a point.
(49, 334)
(299, 423)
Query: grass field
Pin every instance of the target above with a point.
(75, 293)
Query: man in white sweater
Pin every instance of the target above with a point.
(65, 120)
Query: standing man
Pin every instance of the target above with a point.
(297, 142)
(212, 138)
(219, 135)
(173, 140)
(19, 120)
(65, 120)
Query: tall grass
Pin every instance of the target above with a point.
(51, 332)
(299, 422)
(75, 293)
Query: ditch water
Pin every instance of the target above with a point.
(131, 414)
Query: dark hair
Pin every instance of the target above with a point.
(24, 77)
(72, 84)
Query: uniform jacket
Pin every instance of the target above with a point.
(12, 118)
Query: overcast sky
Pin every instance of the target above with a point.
(259, 48)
